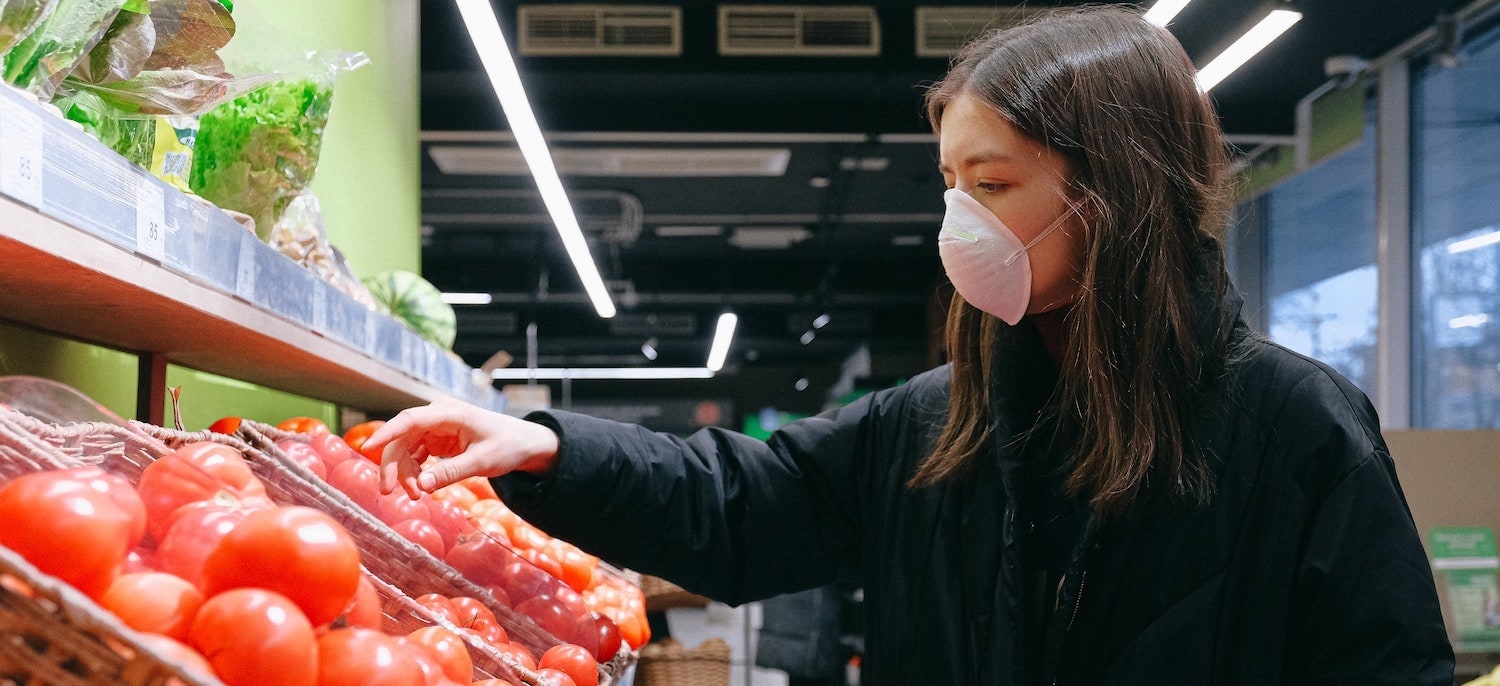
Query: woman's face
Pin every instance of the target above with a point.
(1025, 185)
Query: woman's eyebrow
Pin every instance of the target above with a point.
(991, 157)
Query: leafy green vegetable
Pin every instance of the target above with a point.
(40, 61)
(256, 153)
(18, 18)
(133, 138)
(415, 302)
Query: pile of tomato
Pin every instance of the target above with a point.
(214, 575)
(563, 590)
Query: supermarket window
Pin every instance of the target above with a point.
(1320, 280)
(1456, 230)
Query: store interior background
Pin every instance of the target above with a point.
(1364, 236)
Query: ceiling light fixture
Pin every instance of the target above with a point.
(468, 298)
(1164, 11)
(723, 336)
(802, 383)
(484, 30)
(821, 320)
(1475, 243)
(649, 348)
(808, 336)
(1245, 47)
(603, 373)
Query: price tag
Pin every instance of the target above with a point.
(20, 153)
(244, 277)
(150, 219)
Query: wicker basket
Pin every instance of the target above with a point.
(667, 663)
(665, 595)
(50, 633)
(393, 563)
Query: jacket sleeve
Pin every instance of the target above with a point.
(1365, 609)
(719, 513)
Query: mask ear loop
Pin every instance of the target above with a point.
(1073, 207)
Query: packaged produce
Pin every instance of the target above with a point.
(39, 62)
(18, 18)
(257, 152)
(160, 145)
(300, 235)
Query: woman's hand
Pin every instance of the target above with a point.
(470, 442)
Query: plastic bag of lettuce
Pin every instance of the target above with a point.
(64, 37)
(257, 152)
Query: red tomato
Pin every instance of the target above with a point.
(225, 425)
(65, 528)
(481, 487)
(422, 533)
(364, 657)
(155, 602)
(332, 449)
(119, 491)
(564, 618)
(139, 560)
(298, 552)
(196, 532)
(179, 654)
(359, 480)
(577, 566)
(432, 672)
(440, 606)
(481, 559)
(553, 677)
(609, 638)
(451, 522)
(365, 610)
(574, 661)
(522, 580)
(397, 506)
(252, 637)
(501, 595)
(304, 455)
(517, 654)
(543, 561)
(303, 425)
(528, 537)
(194, 472)
(359, 433)
(494, 682)
(448, 649)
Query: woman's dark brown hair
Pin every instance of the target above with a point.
(1116, 97)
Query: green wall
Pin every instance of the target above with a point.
(369, 177)
(107, 376)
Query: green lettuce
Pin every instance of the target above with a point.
(256, 153)
(40, 61)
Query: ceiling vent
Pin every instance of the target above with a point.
(835, 31)
(592, 30)
(669, 324)
(941, 31)
(768, 237)
(615, 162)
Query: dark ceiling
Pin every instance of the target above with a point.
(778, 187)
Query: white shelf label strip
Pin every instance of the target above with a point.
(150, 219)
(20, 153)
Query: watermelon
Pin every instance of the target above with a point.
(415, 302)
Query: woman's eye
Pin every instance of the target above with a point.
(989, 187)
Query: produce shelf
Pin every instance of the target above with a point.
(96, 249)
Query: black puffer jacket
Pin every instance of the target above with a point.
(1305, 567)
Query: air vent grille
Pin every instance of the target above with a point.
(786, 30)
(941, 31)
(591, 30)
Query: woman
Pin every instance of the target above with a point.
(1113, 481)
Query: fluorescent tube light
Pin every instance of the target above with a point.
(484, 31)
(723, 335)
(1164, 11)
(1240, 52)
(1475, 243)
(1469, 321)
(468, 298)
(603, 373)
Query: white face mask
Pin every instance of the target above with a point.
(986, 262)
